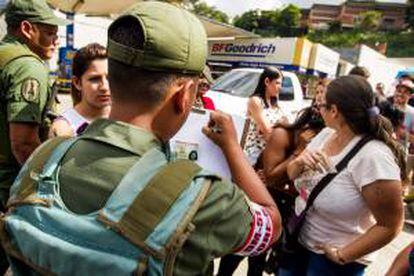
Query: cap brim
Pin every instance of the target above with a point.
(209, 78)
(207, 75)
(56, 21)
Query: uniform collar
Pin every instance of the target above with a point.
(123, 135)
(9, 38)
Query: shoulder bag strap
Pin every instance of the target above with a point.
(339, 167)
(297, 225)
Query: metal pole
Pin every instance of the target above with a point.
(70, 31)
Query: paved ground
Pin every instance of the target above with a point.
(378, 268)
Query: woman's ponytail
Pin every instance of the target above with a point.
(381, 129)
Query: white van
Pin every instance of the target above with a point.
(231, 91)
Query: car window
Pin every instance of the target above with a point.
(243, 84)
(287, 93)
(238, 83)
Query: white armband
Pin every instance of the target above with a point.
(261, 232)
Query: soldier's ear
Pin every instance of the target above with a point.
(184, 95)
(27, 29)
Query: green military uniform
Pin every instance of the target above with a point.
(25, 94)
(92, 170)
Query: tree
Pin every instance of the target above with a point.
(335, 26)
(290, 16)
(268, 23)
(248, 20)
(370, 21)
(289, 20)
(283, 22)
(201, 8)
(410, 14)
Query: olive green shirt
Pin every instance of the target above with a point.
(91, 171)
(24, 95)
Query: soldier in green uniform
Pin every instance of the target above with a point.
(24, 89)
(156, 54)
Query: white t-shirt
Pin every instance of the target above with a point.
(339, 214)
(77, 122)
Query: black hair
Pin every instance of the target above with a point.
(308, 118)
(393, 114)
(270, 73)
(81, 62)
(360, 71)
(354, 98)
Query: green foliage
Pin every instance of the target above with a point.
(399, 44)
(410, 14)
(289, 19)
(370, 21)
(283, 22)
(248, 20)
(335, 26)
(201, 8)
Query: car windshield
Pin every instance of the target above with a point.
(243, 83)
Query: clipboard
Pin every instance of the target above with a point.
(190, 143)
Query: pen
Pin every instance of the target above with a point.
(215, 129)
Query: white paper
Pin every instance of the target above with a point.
(209, 156)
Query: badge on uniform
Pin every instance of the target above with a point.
(185, 150)
(30, 90)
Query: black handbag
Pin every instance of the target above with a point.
(288, 244)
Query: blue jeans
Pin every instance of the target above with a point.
(411, 260)
(308, 263)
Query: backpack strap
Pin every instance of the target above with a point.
(25, 187)
(186, 227)
(163, 189)
(47, 179)
(132, 184)
(151, 201)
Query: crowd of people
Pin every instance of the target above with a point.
(95, 190)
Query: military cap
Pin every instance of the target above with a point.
(35, 11)
(174, 40)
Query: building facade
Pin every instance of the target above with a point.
(349, 14)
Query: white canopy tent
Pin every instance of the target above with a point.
(92, 7)
(112, 7)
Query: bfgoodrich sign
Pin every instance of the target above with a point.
(286, 53)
